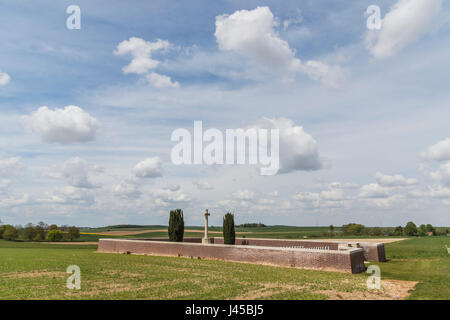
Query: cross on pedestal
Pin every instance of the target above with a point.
(205, 239)
(207, 214)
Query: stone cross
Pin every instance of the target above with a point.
(206, 223)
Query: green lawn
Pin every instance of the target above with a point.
(37, 271)
(425, 260)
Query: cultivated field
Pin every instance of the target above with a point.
(37, 271)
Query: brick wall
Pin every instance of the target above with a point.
(351, 260)
(281, 243)
(372, 251)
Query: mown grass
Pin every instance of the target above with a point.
(37, 271)
(425, 260)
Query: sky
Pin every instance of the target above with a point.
(87, 114)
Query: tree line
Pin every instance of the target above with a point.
(39, 232)
(410, 229)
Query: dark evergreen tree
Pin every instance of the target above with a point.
(176, 225)
(229, 235)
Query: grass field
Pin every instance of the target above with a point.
(425, 260)
(37, 271)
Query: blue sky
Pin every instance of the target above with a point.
(372, 104)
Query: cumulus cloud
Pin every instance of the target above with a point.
(373, 190)
(76, 172)
(266, 201)
(68, 196)
(442, 175)
(332, 195)
(4, 78)
(142, 61)
(386, 202)
(439, 192)
(330, 75)
(394, 180)
(306, 196)
(251, 33)
(68, 125)
(340, 185)
(148, 168)
(438, 152)
(165, 197)
(4, 183)
(298, 149)
(173, 187)
(202, 185)
(141, 51)
(7, 201)
(336, 185)
(10, 166)
(274, 193)
(329, 199)
(126, 189)
(161, 81)
(406, 21)
(246, 195)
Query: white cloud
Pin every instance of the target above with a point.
(161, 81)
(246, 195)
(339, 185)
(148, 168)
(438, 152)
(274, 193)
(374, 190)
(141, 51)
(330, 75)
(226, 204)
(202, 185)
(394, 180)
(292, 21)
(4, 78)
(77, 172)
(298, 150)
(4, 183)
(68, 195)
(266, 201)
(10, 166)
(332, 195)
(335, 185)
(173, 187)
(166, 197)
(386, 202)
(7, 201)
(126, 189)
(402, 25)
(439, 192)
(69, 125)
(251, 33)
(327, 199)
(442, 174)
(142, 61)
(306, 196)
